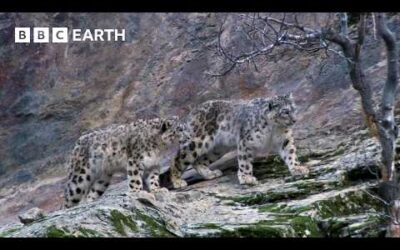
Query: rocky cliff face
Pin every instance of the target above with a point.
(336, 201)
(50, 93)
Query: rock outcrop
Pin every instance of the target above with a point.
(31, 215)
(337, 200)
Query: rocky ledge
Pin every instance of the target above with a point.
(337, 200)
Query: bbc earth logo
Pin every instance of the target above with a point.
(63, 35)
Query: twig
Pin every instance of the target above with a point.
(373, 25)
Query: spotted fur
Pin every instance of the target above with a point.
(134, 149)
(258, 126)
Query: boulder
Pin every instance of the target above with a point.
(31, 215)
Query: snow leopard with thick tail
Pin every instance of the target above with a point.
(253, 127)
(135, 149)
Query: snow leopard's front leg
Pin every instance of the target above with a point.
(245, 162)
(135, 171)
(288, 154)
(190, 154)
(153, 181)
(177, 169)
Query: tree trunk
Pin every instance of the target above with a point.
(364, 89)
(381, 126)
(388, 130)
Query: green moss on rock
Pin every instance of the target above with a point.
(249, 200)
(121, 221)
(306, 226)
(331, 217)
(257, 230)
(87, 232)
(347, 204)
(137, 222)
(271, 208)
(271, 167)
(283, 208)
(156, 227)
(298, 190)
(276, 226)
(210, 226)
(54, 232)
(8, 232)
(254, 231)
(373, 226)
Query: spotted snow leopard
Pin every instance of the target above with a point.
(135, 149)
(253, 127)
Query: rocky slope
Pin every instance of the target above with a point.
(337, 200)
(50, 93)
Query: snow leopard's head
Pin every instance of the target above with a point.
(281, 110)
(172, 131)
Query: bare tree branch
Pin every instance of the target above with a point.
(373, 25)
(361, 36)
(343, 23)
(388, 129)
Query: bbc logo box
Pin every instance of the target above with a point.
(41, 35)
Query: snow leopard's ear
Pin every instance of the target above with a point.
(272, 105)
(288, 96)
(174, 118)
(166, 124)
(164, 127)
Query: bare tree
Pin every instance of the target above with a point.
(266, 33)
